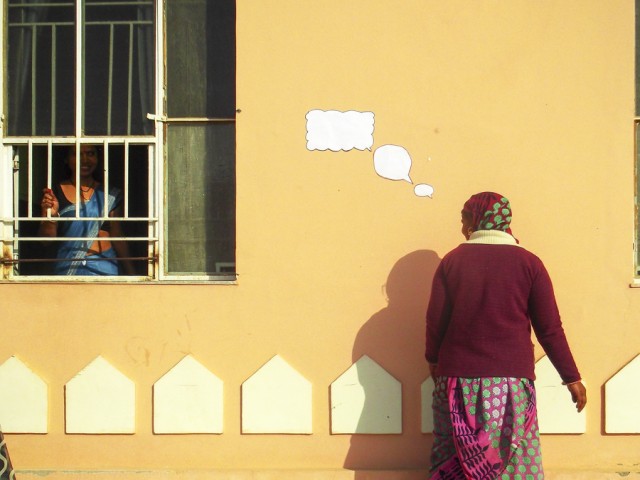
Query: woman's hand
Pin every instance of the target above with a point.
(578, 395)
(49, 201)
(432, 370)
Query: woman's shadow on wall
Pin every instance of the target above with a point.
(394, 338)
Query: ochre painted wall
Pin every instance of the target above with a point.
(533, 99)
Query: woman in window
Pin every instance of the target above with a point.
(487, 295)
(96, 254)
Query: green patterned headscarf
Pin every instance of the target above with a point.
(489, 211)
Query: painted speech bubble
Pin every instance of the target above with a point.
(392, 162)
(423, 190)
(334, 130)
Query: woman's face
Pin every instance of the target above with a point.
(88, 160)
(467, 228)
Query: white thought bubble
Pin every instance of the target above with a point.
(392, 162)
(423, 190)
(334, 130)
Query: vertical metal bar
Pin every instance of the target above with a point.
(77, 179)
(110, 76)
(130, 80)
(80, 67)
(156, 158)
(29, 187)
(34, 72)
(2, 99)
(49, 170)
(54, 34)
(105, 153)
(126, 179)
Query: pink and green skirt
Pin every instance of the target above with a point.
(485, 429)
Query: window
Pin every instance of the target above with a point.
(86, 79)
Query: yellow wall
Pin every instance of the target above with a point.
(533, 99)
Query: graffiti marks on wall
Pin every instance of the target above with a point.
(343, 131)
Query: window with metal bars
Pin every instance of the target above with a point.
(114, 230)
(88, 79)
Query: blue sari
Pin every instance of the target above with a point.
(72, 255)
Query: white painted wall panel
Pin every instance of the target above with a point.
(100, 400)
(366, 399)
(188, 399)
(276, 399)
(556, 412)
(24, 406)
(622, 400)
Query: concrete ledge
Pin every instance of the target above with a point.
(328, 474)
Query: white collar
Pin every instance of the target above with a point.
(492, 237)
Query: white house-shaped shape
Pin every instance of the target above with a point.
(556, 412)
(24, 405)
(366, 399)
(276, 399)
(100, 400)
(188, 399)
(622, 400)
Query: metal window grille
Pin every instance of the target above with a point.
(30, 164)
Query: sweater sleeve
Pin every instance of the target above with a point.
(438, 314)
(546, 323)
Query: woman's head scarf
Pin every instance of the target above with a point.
(488, 211)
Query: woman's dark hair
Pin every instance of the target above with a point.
(62, 153)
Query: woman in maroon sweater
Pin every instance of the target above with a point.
(487, 295)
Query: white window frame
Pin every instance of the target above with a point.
(157, 174)
(636, 230)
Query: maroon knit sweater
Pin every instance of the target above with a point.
(484, 301)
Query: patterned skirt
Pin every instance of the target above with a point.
(6, 469)
(485, 429)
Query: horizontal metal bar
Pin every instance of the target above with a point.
(71, 24)
(9, 261)
(78, 239)
(41, 24)
(160, 118)
(125, 3)
(121, 22)
(133, 140)
(40, 5)
(82, 219)
(88, 4)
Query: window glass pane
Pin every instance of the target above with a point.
(40, 63)
(200, 208)
(119, 56)
(201, 58)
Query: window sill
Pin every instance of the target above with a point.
(118, 281)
